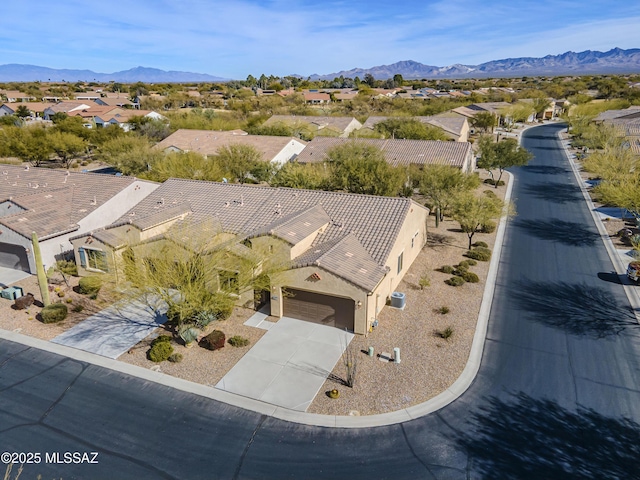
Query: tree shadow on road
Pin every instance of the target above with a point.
(523, 437)
(569, 233)
(579, 309)
(555, 192)
(544, 169)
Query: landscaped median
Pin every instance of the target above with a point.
(434, 334)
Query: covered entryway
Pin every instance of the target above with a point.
(14, 257)
(318, 308)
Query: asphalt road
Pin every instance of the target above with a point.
(557, 394)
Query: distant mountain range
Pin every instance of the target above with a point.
(569, 63)
(31, 73)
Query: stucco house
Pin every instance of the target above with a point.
(35, 108)
(345, 253)
(335, 126)
(277, 150)
(57, 205)
(400, 152)
(456, 127)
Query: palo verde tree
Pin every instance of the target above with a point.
(409, 128)
(475, 213)
(239, 159)
(356, 167)
(442, 184)
(501, 155)
(484, 121)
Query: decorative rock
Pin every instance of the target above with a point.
(24, 302)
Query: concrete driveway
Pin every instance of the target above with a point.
(289, 364)
(9, 276)
(116, 329)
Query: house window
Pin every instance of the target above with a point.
(93, 259)
(400, 258)
(229, 282)
(413, 239)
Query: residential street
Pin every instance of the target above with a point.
(560, 373)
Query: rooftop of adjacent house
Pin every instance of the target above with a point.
(208, 142)
(452, 124)
(115, 101)
(633, 111)
(360, 229)
(396, 152)
(32, 106)
(337, 123)
(70, 105)
(49, 201)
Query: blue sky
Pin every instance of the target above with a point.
(232, 39)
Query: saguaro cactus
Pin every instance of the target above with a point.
(42, 277)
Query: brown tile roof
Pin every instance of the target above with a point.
(336, 123)
(69, 105)
(450, 124)
(251, 210)
(53, 201)
(32, 106)
(95, 111)
(208, 142)
(297, 226)
(116, 102)
(396, 152)
(631, 112)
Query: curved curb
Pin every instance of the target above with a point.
(463, 382)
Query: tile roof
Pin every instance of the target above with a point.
(248, 210)
(453, 125)
(32, 106)
(297, 226)
(633, 112)
(208, 142)
(337, 123)
(54, 200)
(396, 152)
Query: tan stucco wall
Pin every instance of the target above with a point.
(329, 284)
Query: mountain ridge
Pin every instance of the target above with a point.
(614, 61)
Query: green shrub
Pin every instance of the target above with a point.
(67, 267)
(491, 181)
(175, 358)
(238, 341)
(161, 339)
(480, 244)
(470, 277)
(455, 281)
(464, 264)
(488, 227)
(443, 310)
(160, 352)
(90, 285)
(471, 262)
(460, 270)
(490, 193)
(447, 333)
(78, 308)
(424, 281)
(60, 294)
(223, 310)
(448, 269)
(480, 253)
(56, 312)
(213, 341)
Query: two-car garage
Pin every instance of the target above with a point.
(318, 308)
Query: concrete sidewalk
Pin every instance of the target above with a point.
(9, 276)
(116, 329)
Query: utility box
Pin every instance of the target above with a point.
(398, 299)
(11, 293)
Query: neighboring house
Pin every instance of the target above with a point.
(115, 101)
(92, 96)
(122, 117)
(340, 126)
(316, 98)
(57, 205)
(625, 114)
(13, 96)
(277, 150)
(66, 107)
(36, 108)
(472, 110)
(400, 152)
(456, 127)
(347, 253)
